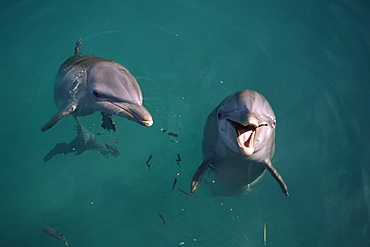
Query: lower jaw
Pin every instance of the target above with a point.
(246, 146)
(247, 151)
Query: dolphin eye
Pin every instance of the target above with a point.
(219, 115)
(96, 93)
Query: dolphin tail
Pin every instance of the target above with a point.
(277, 177)
(197, 177)
(64, 111)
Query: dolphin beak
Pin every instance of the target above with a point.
(134, 112)
(246, 133)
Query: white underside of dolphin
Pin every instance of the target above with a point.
(238, 144)
(86, 83)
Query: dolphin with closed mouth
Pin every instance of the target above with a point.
(238, 144)
(86, 83)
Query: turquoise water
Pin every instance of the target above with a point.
(310, 59)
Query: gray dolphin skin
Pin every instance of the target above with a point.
(86, 83)
(238, 144)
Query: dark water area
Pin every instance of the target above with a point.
(310, 59)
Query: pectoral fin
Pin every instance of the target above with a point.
(277, 177)
(197, 177)
(64, 111)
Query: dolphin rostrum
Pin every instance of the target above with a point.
(86, 83)
(238, 144)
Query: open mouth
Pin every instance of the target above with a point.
(246, 135)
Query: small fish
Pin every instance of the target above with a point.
(147, 162)
(178, 160)
(163, 130)
(245, 235)
(264, 234)
(186, 193)
(172, 134)
(174, 183)
(162, 218)
(58, 235)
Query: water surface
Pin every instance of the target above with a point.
(310, 59)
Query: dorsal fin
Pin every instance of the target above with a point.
(78, 45)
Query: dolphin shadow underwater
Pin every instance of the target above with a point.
(85, 84)
(84, 141)
(238, 144)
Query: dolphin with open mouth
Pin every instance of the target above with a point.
(86, 83)
(238, 144)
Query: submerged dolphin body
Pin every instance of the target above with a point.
(238, 144)
(86, 83)
(84, 141)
